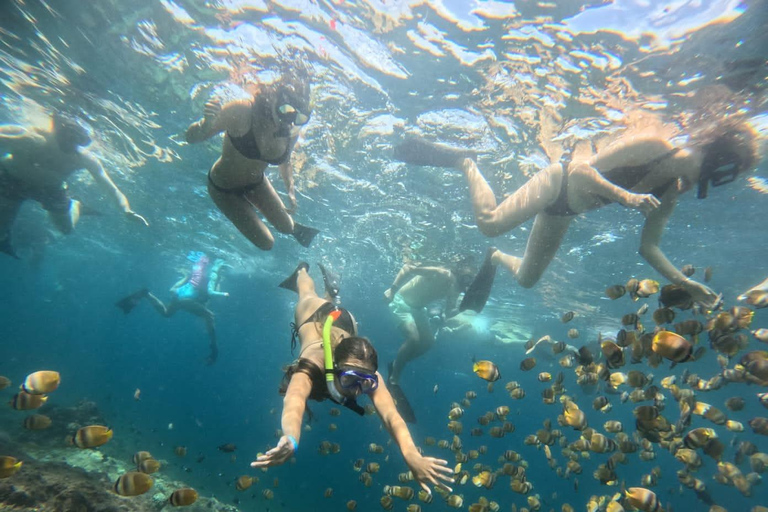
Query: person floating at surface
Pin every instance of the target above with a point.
(35, 166)
(412, 291)
(328, 340)
(260, 132)
(190, 293)
(644, 173)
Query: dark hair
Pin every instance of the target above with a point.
(294, 81)
(734, 136)
(357, 347)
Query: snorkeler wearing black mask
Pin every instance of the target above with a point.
(35, 166)
(645, 173)
(261, 131)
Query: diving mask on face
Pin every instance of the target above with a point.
(288, 114)
(718, 169)
(352, 378)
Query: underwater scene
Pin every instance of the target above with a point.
(409, 255)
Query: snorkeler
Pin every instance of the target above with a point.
(643, 173)
(409, 296)
(335, 363)
(190, 293)
(35, 166)
(261, 131)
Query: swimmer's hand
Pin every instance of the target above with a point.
(428, 470)
(277, 455)
(135, 217)
(211, 109)
(646, 203)
(389, 294)
(702, 294)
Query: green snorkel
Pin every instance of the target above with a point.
(330, 371)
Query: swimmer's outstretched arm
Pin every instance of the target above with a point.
(294, 403)
(650, 250)
(426, 470)
(108, 186)
(217, 118)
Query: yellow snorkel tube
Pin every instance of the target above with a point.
(328, 353)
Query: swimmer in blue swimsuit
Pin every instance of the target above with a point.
(259, 132)
(190, 293)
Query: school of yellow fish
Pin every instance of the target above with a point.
(657, 426)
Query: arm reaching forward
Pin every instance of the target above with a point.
(293, 410)
(651, 252)
(108, 186)
(426, 470)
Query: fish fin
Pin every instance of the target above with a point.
(418, 151)
(128, 303)
(290, 282)
(330, 280)
(402, 404)
(304, 234)
(478, 292)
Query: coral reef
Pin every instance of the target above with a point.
(58, 478)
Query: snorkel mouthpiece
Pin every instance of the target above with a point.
(328, 353)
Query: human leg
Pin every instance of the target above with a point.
(66, 219)
(495, 219)
(166, 311)
(199, 309)
(244, 216)
(265, 198)
(544, 241)
(419, 339)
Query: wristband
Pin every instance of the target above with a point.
(294, 442)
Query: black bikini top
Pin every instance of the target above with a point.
(246, 144)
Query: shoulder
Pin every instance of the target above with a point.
(237, 116)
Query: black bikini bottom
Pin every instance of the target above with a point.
(235, 190)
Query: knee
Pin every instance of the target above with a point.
(528, 281)
(266, 243)
(489, 224)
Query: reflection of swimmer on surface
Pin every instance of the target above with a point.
(36, 165)
(757, 296)
(328, 340)
(413, 290)
(644, 173)
(190, 294)
(259, 132)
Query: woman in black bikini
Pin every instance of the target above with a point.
(644, 173)
(353, 363)
(258, 132)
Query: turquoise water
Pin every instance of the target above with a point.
(140, 72)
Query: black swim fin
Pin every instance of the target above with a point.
(7, 247)
(304, 234)
(128, 303)
(401, 402)
(417, 151)
(331, 281)
(290, 283)
(478, 292)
